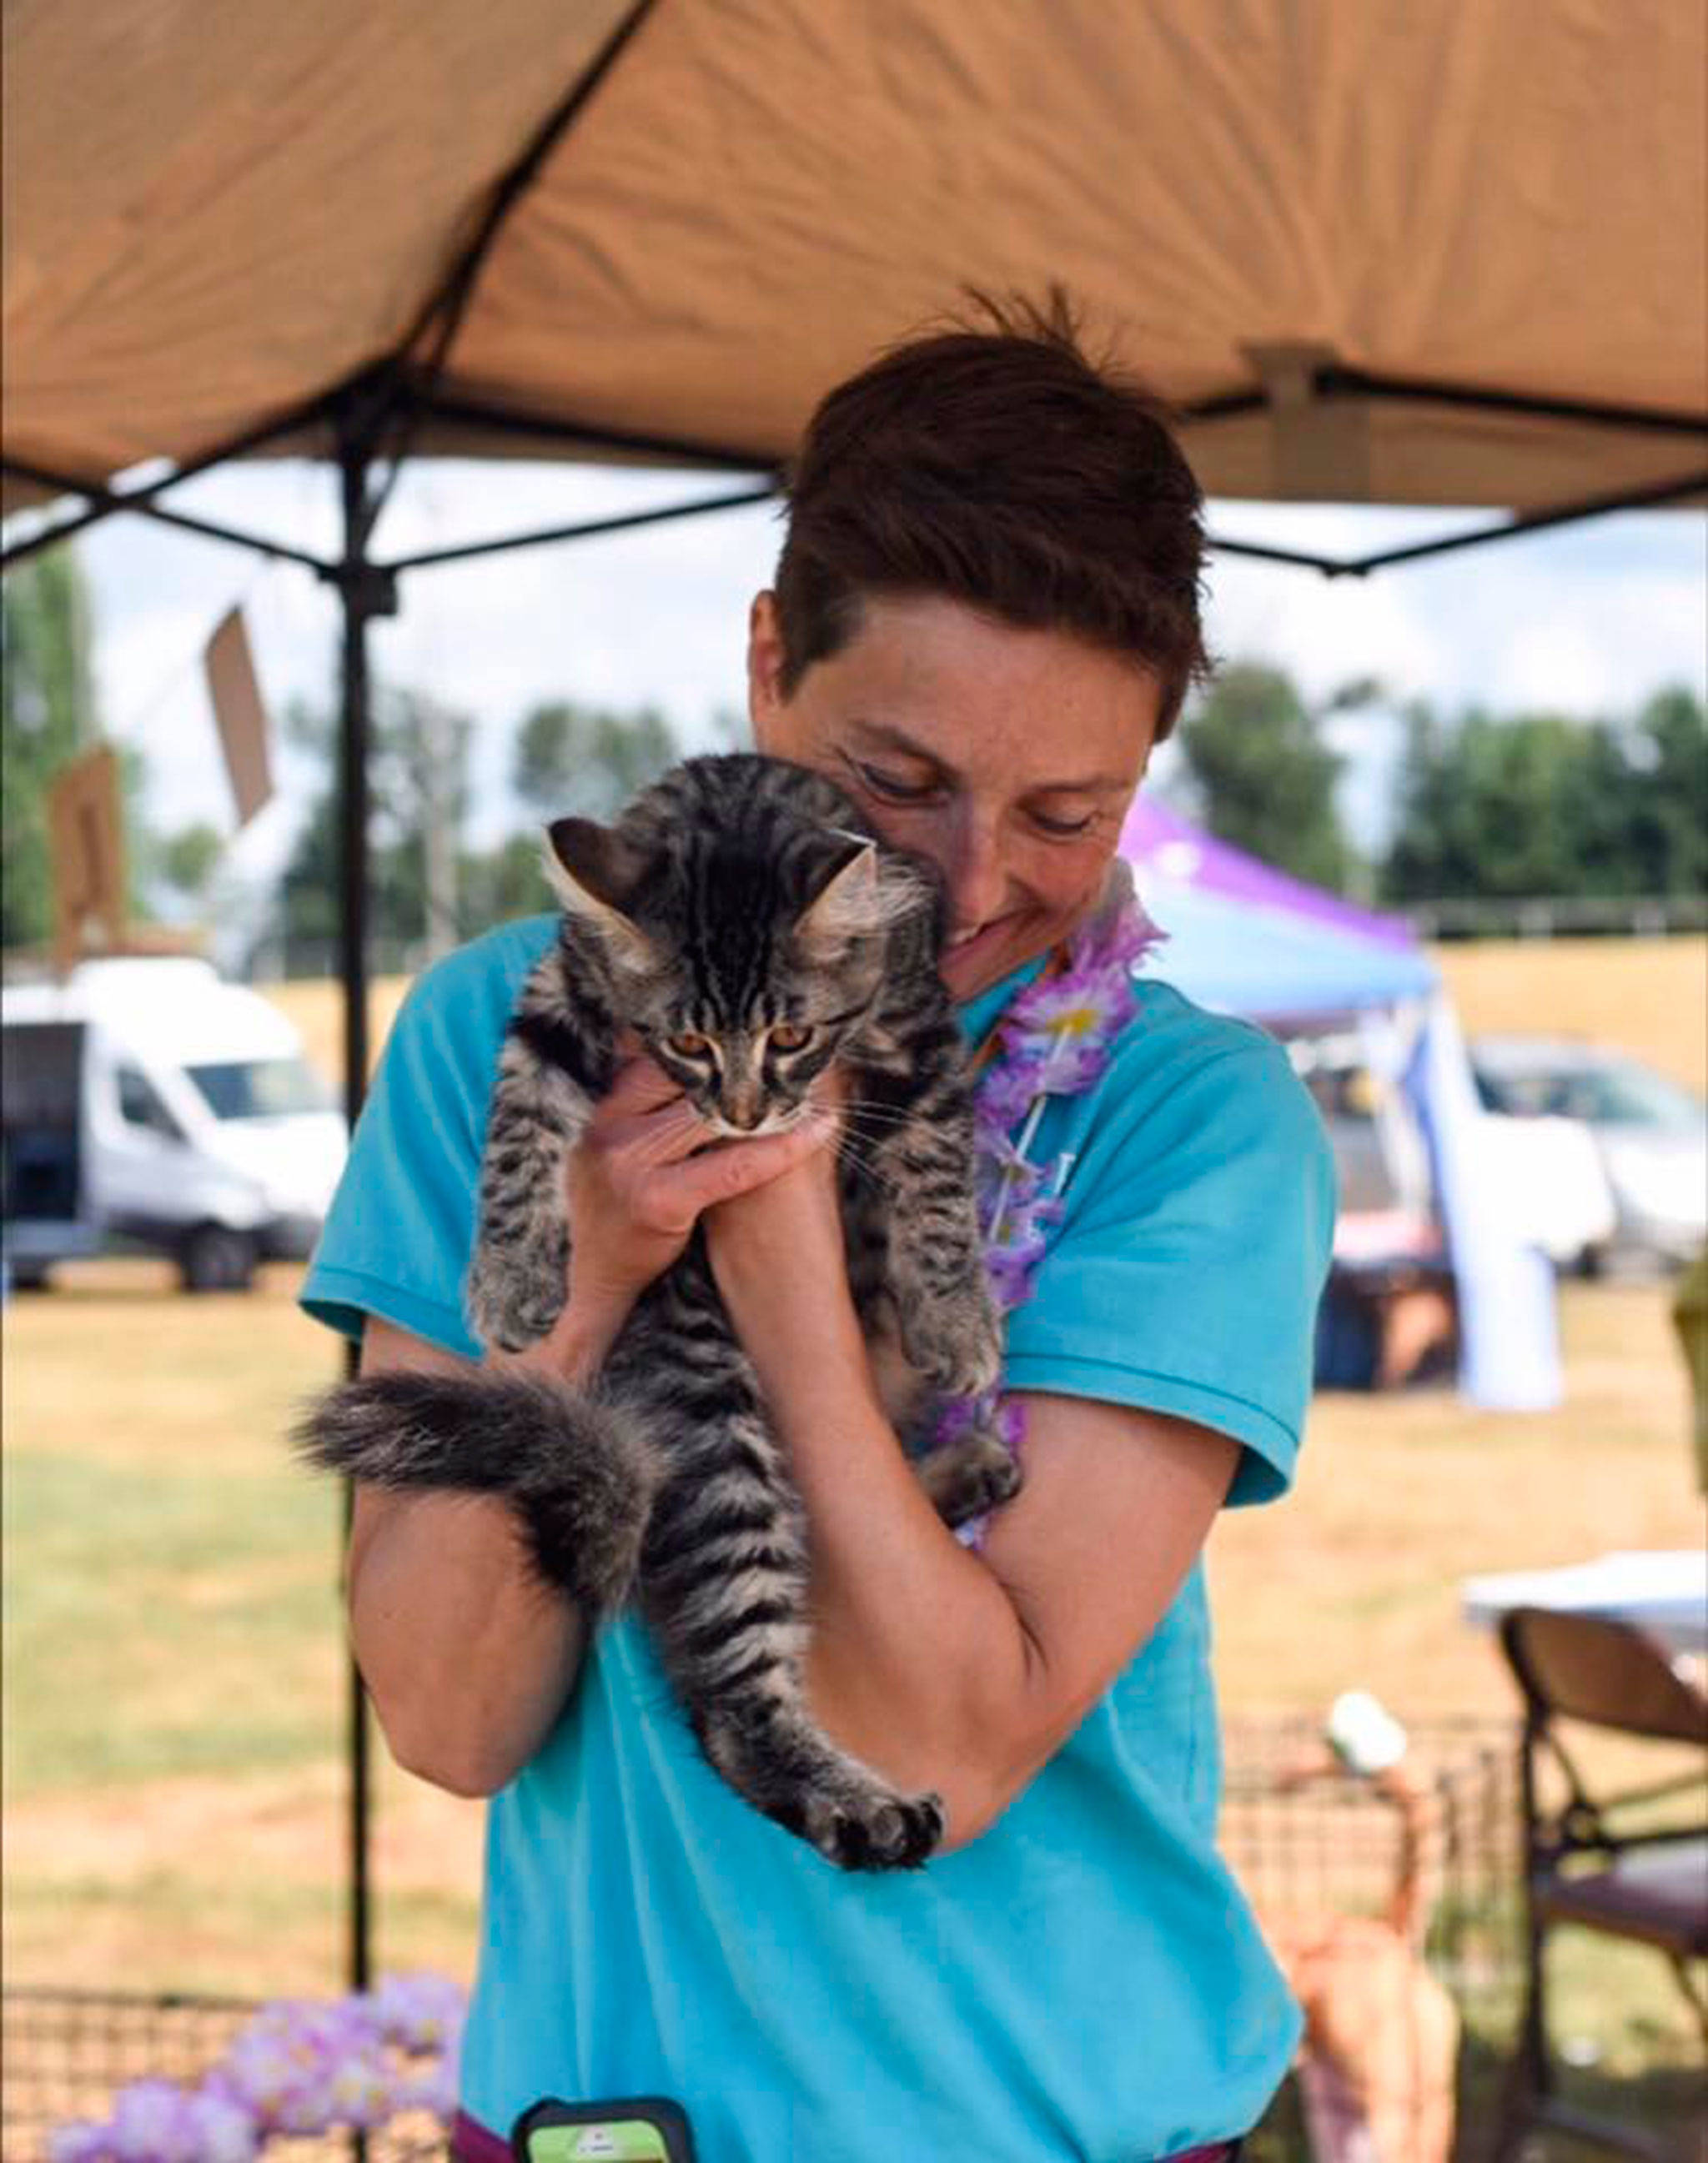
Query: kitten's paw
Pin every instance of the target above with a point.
(515, 1307)
(878, 1831)
(967, 1478)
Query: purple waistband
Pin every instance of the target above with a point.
(471, 2143)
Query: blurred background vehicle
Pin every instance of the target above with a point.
(149, 1107)
(1650, 1132)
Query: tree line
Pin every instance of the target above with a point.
(1484, 806)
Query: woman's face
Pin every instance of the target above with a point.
(1007, 756)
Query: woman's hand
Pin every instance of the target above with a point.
(778, 1254)
(646, 1167)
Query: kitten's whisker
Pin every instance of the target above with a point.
(849, 1154)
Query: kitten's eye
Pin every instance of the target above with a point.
(689, 1045)
(790, 1036)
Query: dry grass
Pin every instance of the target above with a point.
(1648, 996)
(1354, 1583)
(175, 1667)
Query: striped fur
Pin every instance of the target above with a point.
(738, 894)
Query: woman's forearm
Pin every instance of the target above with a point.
(467, 1655)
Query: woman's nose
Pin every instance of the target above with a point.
(976, 879)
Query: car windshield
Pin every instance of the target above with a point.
(261, 1088)
(1616, 1092)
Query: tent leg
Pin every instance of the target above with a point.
(364, 593)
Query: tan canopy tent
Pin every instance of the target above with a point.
(1410, 251)
(1446, 254)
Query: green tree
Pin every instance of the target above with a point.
(47, 716)
(1261, 774)
(506, 882)
(1669, 793)
(589, 760)
(1530, 804)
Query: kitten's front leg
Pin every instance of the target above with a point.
(519, 1277)
(970, 1476)
(935, 1264)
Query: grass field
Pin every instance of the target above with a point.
(1649, 997)
(175, 1678)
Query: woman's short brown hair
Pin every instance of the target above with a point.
(998, 466)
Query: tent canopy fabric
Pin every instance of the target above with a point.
(1282, 212)
(1244, 939)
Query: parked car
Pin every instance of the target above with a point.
(149, 1107)
(1651, 1132)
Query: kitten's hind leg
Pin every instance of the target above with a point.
(768, 1746)
(581, 1475)
(724, 1584)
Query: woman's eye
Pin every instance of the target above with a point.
(892, 786)
(790, 1036)
(689, 1045)
(1065, 828)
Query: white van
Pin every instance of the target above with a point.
(149, 1106)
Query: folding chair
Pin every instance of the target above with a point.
(1650, 1885)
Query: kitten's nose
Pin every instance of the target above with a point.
(743, 1109)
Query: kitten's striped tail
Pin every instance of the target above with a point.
(581, 1476)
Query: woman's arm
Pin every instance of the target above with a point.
(467, 1655)
(941, 1668)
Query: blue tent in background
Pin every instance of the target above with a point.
(1246, 940)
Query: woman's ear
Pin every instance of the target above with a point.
(764, 664)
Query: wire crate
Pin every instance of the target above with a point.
(64, 2054)
(1306, 1838)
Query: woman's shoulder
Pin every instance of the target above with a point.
(1171, 1039)
(498, 960)
(454, 1014)
(1185, 1082)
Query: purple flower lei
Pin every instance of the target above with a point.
(301, 2066)
(1054, 1040)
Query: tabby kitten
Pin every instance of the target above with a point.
(742, 923)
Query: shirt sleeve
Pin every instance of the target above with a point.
(1184, 1275)
(399, 1235)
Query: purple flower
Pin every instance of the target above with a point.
(418, 2011)
(155, 2122)
(82, 2141)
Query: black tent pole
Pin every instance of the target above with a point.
(364, 593)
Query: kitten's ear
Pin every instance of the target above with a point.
(595, 874)
(850, 903)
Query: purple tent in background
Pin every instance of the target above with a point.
(1246, 940)
(1154, 835)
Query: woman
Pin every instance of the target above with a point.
(985, 616)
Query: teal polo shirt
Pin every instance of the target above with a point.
(1083, 1981)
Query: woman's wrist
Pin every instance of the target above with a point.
(577, 1345)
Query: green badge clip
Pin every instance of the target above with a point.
(627, 2130)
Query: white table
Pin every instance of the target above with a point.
(1663, 1590)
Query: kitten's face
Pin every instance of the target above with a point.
(745, 1073)
(743, 961)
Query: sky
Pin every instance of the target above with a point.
(1583, 620)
